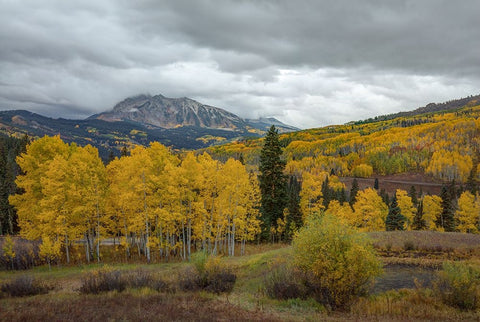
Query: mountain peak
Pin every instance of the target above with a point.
(168, 112)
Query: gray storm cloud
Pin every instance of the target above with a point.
(308, 63)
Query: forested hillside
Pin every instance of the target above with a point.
(441, 145)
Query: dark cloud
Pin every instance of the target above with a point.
(296, 60)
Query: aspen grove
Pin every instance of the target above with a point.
(150, 202)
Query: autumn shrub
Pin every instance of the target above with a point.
(141, 278)
(283, 282)
(103, 280)
(138, 278)
(18, 253)
(409, 245)
(458, 285)
(208, 273)
(25, 285)
(339, 262)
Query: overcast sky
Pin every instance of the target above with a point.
(307, 63)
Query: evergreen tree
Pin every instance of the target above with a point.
(385, 197)
(413, 194)
(327, 193)
(241, 159)
(341, 196)
(272, 183)
(418, 221)
(446, 219)
(395, 220)
(10, 148)
(353, 192)
(375, 184)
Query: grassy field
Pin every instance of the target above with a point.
(248, 300)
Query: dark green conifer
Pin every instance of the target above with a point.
(353, 192)
(272, 183)
(413, 194)
(375, 184)
(446, 219)
(418, 222)
(327, 193)
(341, 196)
(395, 220)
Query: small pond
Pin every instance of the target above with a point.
(398, 276)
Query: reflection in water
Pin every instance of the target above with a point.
(397, 277)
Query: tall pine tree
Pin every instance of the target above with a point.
(353, 192)
(446, 219)
(272, 183)
(418, 221)
(395, 220)
(413, 194)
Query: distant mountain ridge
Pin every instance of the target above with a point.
(180, 123)
(169, 113)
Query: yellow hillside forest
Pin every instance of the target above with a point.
(443, 145)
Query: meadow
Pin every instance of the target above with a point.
(248, 299)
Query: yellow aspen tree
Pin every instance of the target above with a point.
(370, 211)
(467, 213)
(251, 225)
(160, 175)
(432, 208)
(49, 250)
(8, 250)
(55, 220)
(141, 167)
(34, 164)
(343, 212)
(235, 199)
(89, 185)
(211, 187)
(406, 207)
(121, 200)
(173, 214)
(190, 181)
(362, 171)
(311, 200)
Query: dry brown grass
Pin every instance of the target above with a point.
(247, 301)
(126, 307)
(435, 244)
(408, 305)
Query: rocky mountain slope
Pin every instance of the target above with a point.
(180, 123)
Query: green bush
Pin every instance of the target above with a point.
(458, 285)
(339, 262)
(25, 285)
